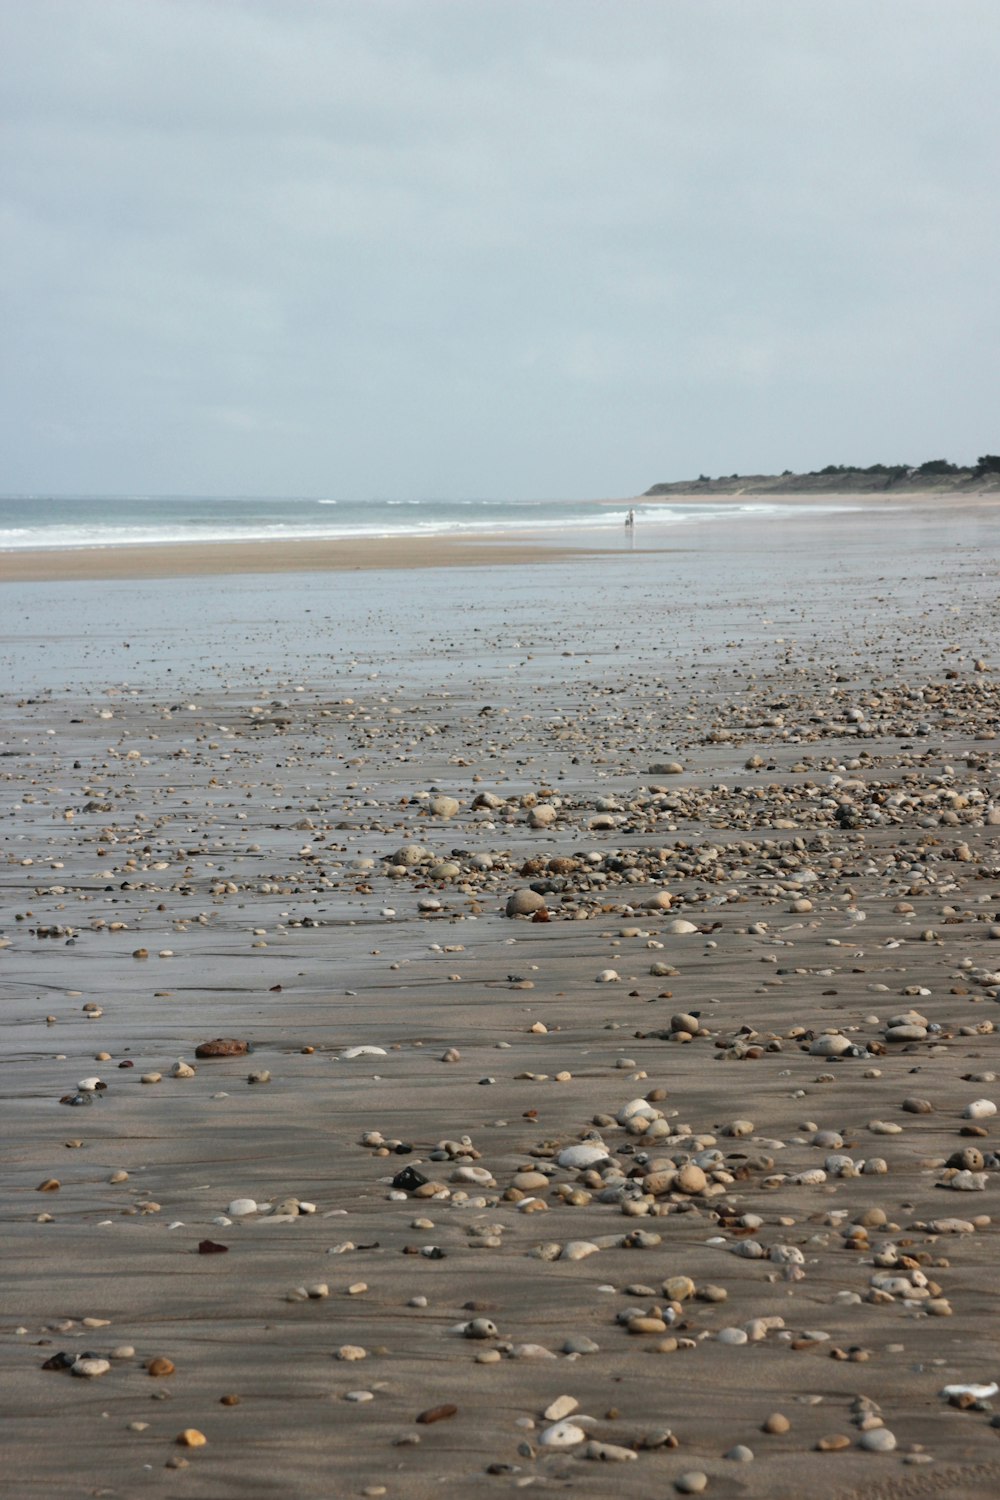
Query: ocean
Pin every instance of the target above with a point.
(33, 521)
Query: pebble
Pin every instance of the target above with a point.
(524, 902)
(191, 1438)
(580, 1343)
(222, 1047)
(562, 1435)
(241, 1208)
(586, 1154)
(437, 1414)
(608, 1452)
(562, 1406)
(877, 1440)
(578, 1250)
(692, 1482)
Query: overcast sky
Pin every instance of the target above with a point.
(493, 247)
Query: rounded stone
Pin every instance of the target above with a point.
(691, 1179)
(240, 1208)
(585, 1154)
(830, 1046)
(562, 1435)
(578, 1250)
(480, 1328)
(905, 1033)
(524, 902)
(222, 1047)
(643, 1324)
(878, 1440)
(542, 816)
(691, 1483)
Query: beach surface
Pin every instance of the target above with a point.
(744, 780)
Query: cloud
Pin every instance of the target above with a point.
(567, 245)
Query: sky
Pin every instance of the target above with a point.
(493, 248)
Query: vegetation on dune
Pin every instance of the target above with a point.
(933, 473)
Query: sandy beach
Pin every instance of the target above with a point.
(394, 552)
(689, 1170)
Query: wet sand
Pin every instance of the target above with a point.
(220, 559)
(390, 553)
(790, 729)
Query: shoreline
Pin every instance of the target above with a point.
(221, 559)
(489, 549)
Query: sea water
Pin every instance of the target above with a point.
(32, 521)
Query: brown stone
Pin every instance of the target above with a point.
(222, 1046)
(160, 1366)
(437, 1414)
(191, 1438)
(691, 1179)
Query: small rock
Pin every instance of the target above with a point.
(524, 902)
(191, 1438)
(583, 1155)
(578, 1250)
(222, 1047)
(608, 1452)
(437, 1414)
(562, 1435)
(878, 1440)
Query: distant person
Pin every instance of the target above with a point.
(630, 520)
